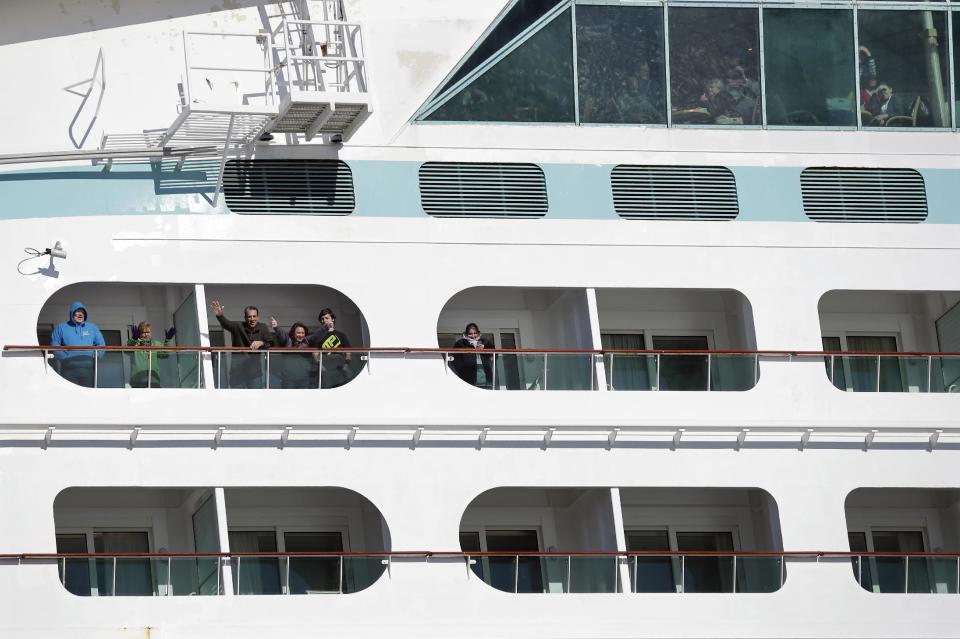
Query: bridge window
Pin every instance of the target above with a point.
(894, 72)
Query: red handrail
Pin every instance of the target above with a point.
(538, 351)
(460, 554)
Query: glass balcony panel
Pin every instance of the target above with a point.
(110, 370)
(630, 371)
(310, 575)
(256, 575)
(732, 372)
(292, 369)
(195, 576)
(336, 369)
(759, 574)
(75, 576)
(362, 572)
(239, 369)
(680, 372)
(556, 574)
(945, 376)
(914, 372)
(890, 573)
(502, 573)
(520, 371)
(569, 371)
(513, 574)
(593, 574)
(654, 574)
(134, 577)
(933, 574)
(707, 574)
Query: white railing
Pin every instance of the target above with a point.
(316, 49)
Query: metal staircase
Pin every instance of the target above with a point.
(298, 76)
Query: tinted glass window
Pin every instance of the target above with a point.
(714, 66)
(534, 83)
(904, 70)
(810, 67)
(520, 16)
(620, 68)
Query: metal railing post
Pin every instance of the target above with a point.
(286, 581)
(783, 570)
(320, 369)
(906, 574)
(113, 585)
(493, 383)
(169, 576)
(929, 373)
(219, 569)
(860, 570)
(657, 385)
(610, 374)
(636, 573)
(267, 380)
(219, 377)
(734, 574)
(236, 586)
(96, 356)
(149, 368)
(709, 371)
(833, 369)
(516, 574)
(569, 573)
(342, 567)
(878, 373)
(683, 573)
(545, 369)
(756, 368)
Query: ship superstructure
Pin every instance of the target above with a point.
(710, 249)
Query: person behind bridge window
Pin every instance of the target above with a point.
(246, 369)
(144, 369)
(77, 366)
(297, 370)
(334, 367)
(472, 368)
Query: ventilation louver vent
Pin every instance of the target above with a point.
(674, 192)
(832, 194)
(480, 189)
(300, 187)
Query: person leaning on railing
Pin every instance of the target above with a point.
(334, 366)
(77, 366)
(474, 369)
(144, 371)
(297, 370)
(246, 370)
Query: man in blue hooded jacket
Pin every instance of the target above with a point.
(77, 366)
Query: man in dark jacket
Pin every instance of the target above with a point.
(246, 369)
(334, 367)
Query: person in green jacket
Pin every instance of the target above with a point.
(144, 370)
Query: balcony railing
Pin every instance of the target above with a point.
(503, 369)
(911, 573)
(599, 572)
(200, 574)
(894, 372)
(273, 573)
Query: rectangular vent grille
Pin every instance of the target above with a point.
(832, 194)
(292, 187)
(674, 192)
(481, 189)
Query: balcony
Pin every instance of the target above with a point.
(904, 540)
(526, 540)
(891, 341)
(167, 542)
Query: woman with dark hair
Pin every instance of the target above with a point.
(297, 370)
(475, 369)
